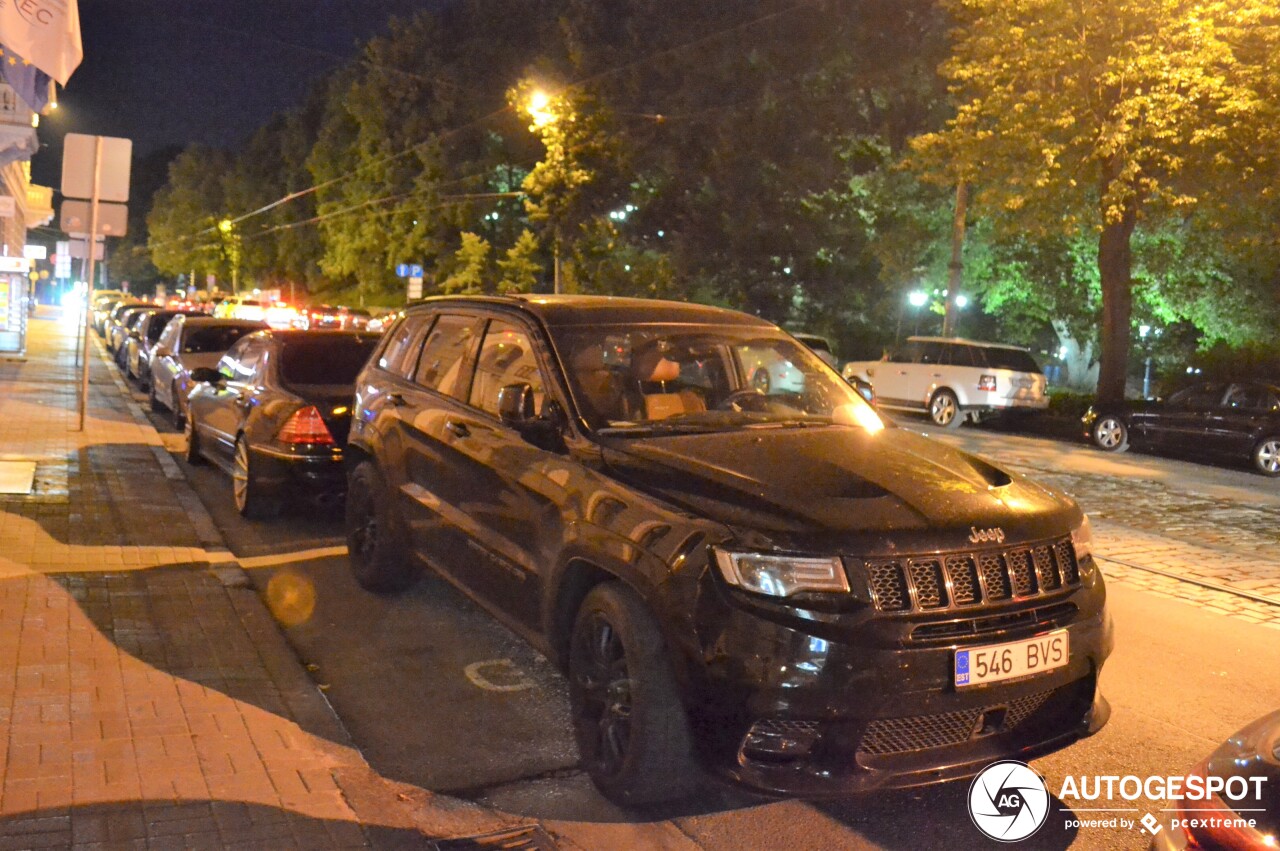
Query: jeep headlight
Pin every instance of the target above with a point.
(1082, 540)
(781, 575)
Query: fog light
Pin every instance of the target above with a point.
(773, 740)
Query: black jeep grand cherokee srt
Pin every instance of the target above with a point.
(761, 577)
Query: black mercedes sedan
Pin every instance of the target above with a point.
(275, 413)
(773, 583)
(1229, 420)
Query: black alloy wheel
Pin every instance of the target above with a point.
(1266, 456)
(628, 720)
(1110, 434)
(944, 410)
(377, 544)
(251, 499)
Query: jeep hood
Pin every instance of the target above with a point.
(834, 482)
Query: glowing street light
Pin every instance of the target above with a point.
(539, 108)
(918, 298)
(962, 301)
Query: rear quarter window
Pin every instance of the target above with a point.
(1014, 359)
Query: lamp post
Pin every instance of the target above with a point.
(544, 112)
(1143, 331)
(918, 299)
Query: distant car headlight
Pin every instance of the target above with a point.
(781, 575)
(1082, 541)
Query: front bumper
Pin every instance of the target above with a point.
(825, 710)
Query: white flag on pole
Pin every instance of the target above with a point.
(44, 32)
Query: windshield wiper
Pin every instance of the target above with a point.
(649, 429)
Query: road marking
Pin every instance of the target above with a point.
(1212, 586)
(522, 683)
(286, 558)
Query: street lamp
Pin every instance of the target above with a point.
(1143, 331)
(544, 111)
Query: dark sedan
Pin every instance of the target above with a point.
(275, 414)
(1226, 419)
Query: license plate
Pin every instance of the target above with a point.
(996, 662)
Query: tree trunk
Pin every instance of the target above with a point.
(955, 269)
(1115, 266)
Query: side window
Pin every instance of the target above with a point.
(1251, 398)
(932, 353)
(960, 355)
(910, 353)
(506, 357)
(444, 361)
(1199, 397)
(400, 355)
(169, 336)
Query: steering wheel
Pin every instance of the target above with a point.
(733, 400)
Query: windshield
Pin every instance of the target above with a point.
(640, 379)
(216, 338)
(327, 361)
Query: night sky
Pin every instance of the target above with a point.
(166, 72)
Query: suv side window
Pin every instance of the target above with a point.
(933, 353)
(1199, 396)
(506, 357)
(401, 353)
(962, 355)
(910, 353)
(444, 362)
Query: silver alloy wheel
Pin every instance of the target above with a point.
(1267, 457)
(1109, 433)
(240, 476)
(943, 409)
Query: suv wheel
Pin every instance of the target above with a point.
(251, 499)
(944, 410)
(630, 726)
(377, 544)
(1111, 434)
(1266, 456)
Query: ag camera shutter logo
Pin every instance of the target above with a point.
(1008, 801)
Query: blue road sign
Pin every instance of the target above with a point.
(402, 270)
(415, 271)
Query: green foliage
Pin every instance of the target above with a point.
(519, 270)
(470, 269)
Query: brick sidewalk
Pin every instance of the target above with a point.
(147, 699)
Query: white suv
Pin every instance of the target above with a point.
(952, 379)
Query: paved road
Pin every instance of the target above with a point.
(437, 694)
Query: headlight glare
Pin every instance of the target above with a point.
(781, 575)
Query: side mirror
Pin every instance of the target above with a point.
(515, 409)
(162, 351)
(135, 335)
(206, 375)
(515, 404)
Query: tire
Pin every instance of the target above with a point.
(193, 456)
(179, 419)
(251, 500)
(1266, 456)
(631, 728)
(944, 410)
(1110, 434)
(377, 543)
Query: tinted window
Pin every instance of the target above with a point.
(963, 356)
(932, 353)
(1199, 396)
(443, 361)
(216, 338)
(910, 353)
(1014, 359)
(506, 357)
(325, 361)
(401, 354)
(1251, 397)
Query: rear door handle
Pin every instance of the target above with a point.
(457, 429)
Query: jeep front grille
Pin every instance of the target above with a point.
(885, 736)
(957, 580)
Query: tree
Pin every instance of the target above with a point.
(182, 224)
(520, 269)
(1108, 115)
(470, 267)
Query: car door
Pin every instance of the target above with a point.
(891, 378)
(412, 421)
(224, 407)
(1183, 423)
(1236, 425)
(163, 367)
(506, 496)
(928, 373)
